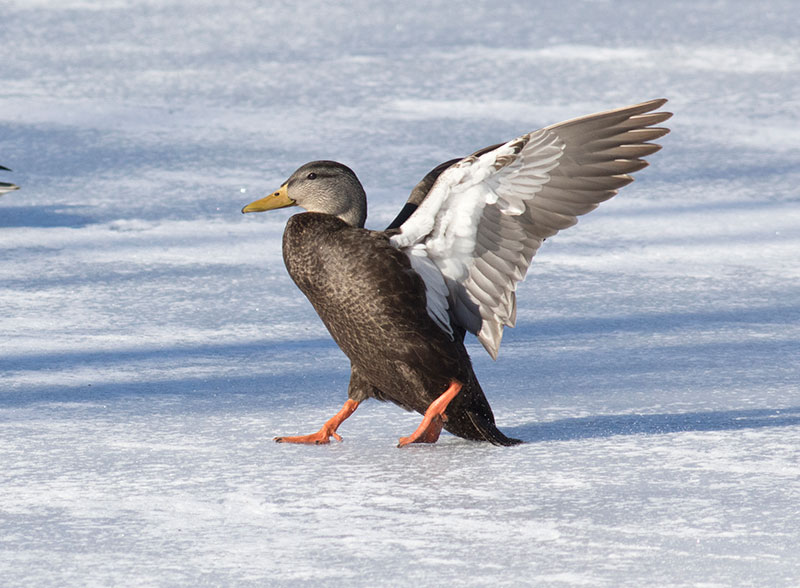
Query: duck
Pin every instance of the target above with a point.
(5, 186)
(399, 302)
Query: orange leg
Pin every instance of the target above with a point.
(327, 431)
(431, 425)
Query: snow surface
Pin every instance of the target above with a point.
(153, 344)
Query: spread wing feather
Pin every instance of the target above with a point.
(482, 219)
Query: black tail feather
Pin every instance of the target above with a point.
(477, 427)
(491, 433)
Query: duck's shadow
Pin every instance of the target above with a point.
(653, 424)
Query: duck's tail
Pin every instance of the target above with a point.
(472, 417)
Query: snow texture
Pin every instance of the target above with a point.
(152, 343)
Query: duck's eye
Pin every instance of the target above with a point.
(312, 176)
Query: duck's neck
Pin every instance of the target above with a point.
(356, 214)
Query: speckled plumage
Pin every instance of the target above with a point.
(373, 304)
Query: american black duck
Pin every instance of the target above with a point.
(399, 302)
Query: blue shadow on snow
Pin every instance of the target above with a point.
(35, 216)
(654, 424)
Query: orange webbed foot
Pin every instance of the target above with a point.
(321, 437)
(429, 435)
(431, 425)
(328, 430)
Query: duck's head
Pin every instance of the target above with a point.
(320, 186)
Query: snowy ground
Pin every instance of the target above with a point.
(152, 343)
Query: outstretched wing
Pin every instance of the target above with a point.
(486, 215)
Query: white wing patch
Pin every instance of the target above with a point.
(474, 235)
(441, 236)
(435, 288)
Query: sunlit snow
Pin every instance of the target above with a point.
(152, 344)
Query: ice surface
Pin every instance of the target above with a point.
(153, 344)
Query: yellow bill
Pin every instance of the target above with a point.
(278, 199)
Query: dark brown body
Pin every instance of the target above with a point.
(374, 306)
